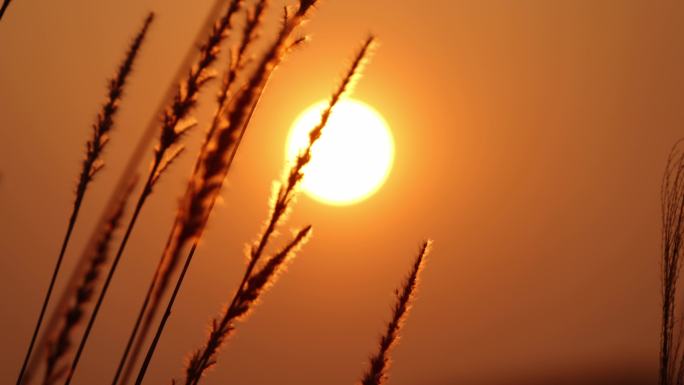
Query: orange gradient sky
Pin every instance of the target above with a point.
(530, 140)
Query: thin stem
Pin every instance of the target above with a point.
(55, 273)
(91, 165)
(134, 332)
(165, 318)
(377, 371)
(5, 4)
(188, 260)
(131, 224)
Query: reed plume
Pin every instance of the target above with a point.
(672, 208)
(379, 363)
(60, 345)
(214, 163)
(252, 286)
(174, 125)
(129, 171)
(91, 165)
(253, 283)
(238, 60)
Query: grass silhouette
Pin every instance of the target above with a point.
(672, 207)
(244, 81)
(379, 363)
(92, 164)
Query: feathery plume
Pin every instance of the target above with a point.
(59, 346)
(239, 58)
(214, 163)
(92, 164)
(253, 283)
(672, 207)
(243, 301)
(175, 123)
(377, 372)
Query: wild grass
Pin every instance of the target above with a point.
(238, 60)
(235, 107)
(254, 282)
(130, 172)
(5, 4)
(92, 164)
(175, 124)
(672, 207)
(379, 363)
(214, 163)
(60, 345)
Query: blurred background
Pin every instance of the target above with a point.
(530, 136)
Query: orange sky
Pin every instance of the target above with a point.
(530, 142)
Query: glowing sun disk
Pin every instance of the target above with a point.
(353, 157)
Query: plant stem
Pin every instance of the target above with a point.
(55, 273)
(165, 318)
(131, 224)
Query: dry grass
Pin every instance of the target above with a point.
(251, 288)
(238, 61)
(5, 4)
(214, 163)
(92, 164)
(379, 363)
(58, 348)
(672, 201)
(175, 124)
(253, 283)
(236, 104)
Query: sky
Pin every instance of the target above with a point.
(531, 137)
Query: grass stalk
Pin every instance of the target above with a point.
(92, 164)
(379, 363)
(58, 348)
(214, 163)
(251, 287)
(252, 284)
(5, 4)
(672, 207)
(130, 170)
(175, 124)
(238, 61)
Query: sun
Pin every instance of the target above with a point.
(353, 157)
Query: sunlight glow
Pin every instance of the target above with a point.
(353, 157)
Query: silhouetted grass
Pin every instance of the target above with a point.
(59, 347)
(236, 104)
(213, 164)
(253, 283)
(238, 60)
(91, 165)
(379, 363)
(175, 124)
(5, 4)
(672, 207)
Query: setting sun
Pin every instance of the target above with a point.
(353, 157)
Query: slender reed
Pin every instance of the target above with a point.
(254, 18)
(5, 4)
(252, 283)
(92, 164)
(251, 288)
(672, 207)
(379, 363)
(125, 179)
(175, 124)
(59, 347)
(214, 163)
